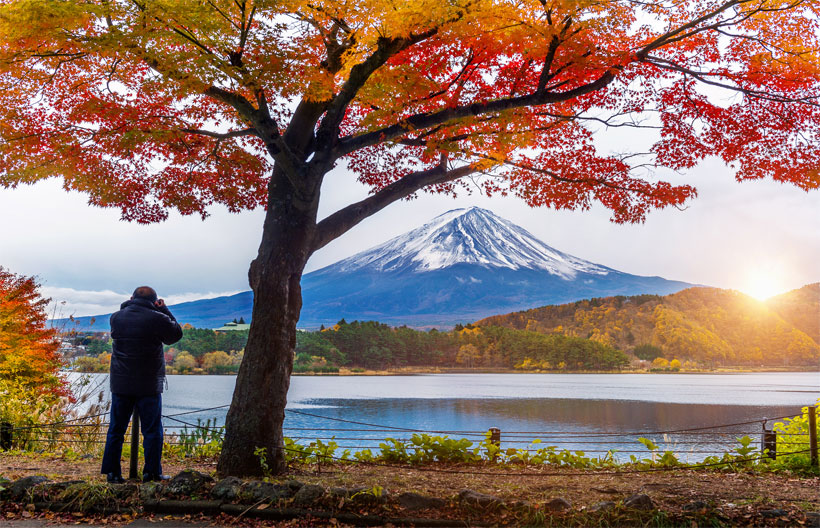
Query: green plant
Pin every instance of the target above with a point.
(204, 440)
(261, 454)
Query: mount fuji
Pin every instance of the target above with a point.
(464, 265)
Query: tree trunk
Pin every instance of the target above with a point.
(254, 421)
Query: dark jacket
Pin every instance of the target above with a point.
(137, 362)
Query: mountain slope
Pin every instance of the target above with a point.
(461, 266)
(707, 325)
(800, 307)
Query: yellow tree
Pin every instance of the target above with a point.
(148, 105)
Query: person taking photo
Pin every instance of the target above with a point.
(137, 376)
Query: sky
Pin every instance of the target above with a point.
(760, 237)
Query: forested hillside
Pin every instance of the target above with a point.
(374, 345)
(709, 326)
(801, 308)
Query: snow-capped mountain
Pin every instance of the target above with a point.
(464, 265)
(467, 236)
(455, 268)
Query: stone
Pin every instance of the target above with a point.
(227, 489)
(602, 506)
(51, 491)
(414, 501)
(695, 506)
(774, 512)
(150, 490)
(308, 494)
(557, 504)
(813, 519)
(475, 498)
(124, 491)
(187, 483)
(267, 491)
(18, 488)
(639, 501)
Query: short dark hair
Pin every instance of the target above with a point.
(145, 292)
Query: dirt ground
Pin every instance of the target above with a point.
(735, 498)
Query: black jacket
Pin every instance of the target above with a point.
(137, 363)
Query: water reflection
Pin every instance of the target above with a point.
(587, 412)
(593, 426)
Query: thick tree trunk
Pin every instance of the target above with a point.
(257, 410)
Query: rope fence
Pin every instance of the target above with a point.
(702, 441)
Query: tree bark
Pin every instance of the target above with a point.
(257, 410)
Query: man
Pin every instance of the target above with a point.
(137, 377)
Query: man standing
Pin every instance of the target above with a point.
(137, 377)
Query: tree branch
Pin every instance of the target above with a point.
(222, 135)
(343, 220)
(387, 48)
(421, 121)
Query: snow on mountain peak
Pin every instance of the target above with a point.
(467, 236)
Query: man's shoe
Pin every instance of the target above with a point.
(114, 478)
(152, 477)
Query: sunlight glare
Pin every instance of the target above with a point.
(763, 284)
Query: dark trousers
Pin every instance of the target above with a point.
(149, 409)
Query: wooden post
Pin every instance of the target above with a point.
(813, 435)
(6, 435)
(133, 473)
(495, 438)
(768, 440)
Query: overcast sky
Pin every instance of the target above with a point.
(757, 237)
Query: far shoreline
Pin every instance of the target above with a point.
(416, 371)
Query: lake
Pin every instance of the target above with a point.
(589, 412)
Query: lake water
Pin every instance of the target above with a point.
(589, 412)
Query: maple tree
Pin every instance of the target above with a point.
(151, 105)
(29, 363)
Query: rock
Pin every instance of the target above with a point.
(557, 504)
(124, 491)
(150, 490)
(602, 506)
(227, 489)
(308, 494)
(695, 506)
(475, 498)
(187, 483)
(51, 491)
(774, 512)
(18, 488)
(813, 519)
(414, 501)
(267, 491)
(639, 501)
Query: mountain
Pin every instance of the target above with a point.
(463, 265)
(710, 326)
(800, 307)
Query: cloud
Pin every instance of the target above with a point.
(71, 301)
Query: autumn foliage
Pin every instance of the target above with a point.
(180, 104)
(709, 326)
(29, 363)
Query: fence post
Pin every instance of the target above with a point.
(813, 435)
(768, 440)
(495, 439)
(6, 435)
(135, 446)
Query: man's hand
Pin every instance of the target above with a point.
(160, 303)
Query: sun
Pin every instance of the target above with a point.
(763, 284)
